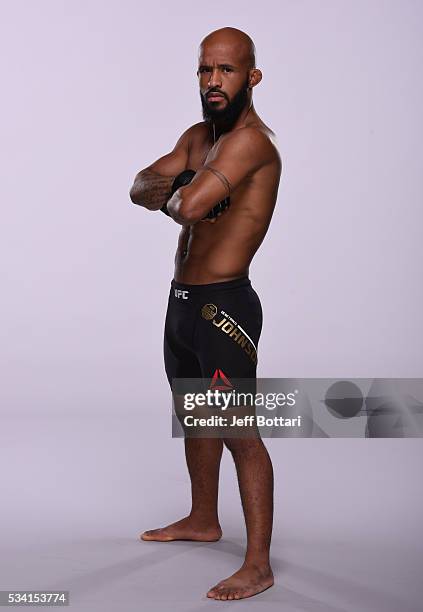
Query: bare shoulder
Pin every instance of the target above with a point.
(189, 135)
(200, 127)
(253, 141)
(199, 130)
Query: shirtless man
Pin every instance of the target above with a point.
(224, 210)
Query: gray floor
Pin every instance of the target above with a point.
(76, 491)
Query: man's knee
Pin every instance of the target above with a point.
(243, 446)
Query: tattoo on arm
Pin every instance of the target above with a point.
(220, 176)
(151, 190)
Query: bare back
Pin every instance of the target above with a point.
(222, 250)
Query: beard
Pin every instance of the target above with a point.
(226, 116)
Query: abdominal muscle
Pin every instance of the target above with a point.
(216, 252)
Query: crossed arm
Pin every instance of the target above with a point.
(239, 154)
(152, 186)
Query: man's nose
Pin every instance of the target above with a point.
(215, 79)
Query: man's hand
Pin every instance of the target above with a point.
(210, 220)
(214, 219)
(182, 179)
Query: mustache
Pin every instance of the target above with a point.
(217, 91)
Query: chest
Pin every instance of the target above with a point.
(198, 153)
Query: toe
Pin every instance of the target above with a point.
(213, 591)
(217, 587)
(156, 534)
(223, 594)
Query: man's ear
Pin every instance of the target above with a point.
(254, 78)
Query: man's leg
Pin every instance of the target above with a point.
(203, 455)
(255, 479)
(202, 524)
(228, 333)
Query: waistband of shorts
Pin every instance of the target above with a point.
(243, 281)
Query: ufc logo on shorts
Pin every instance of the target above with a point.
(180, 293)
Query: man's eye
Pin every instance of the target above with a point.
(227, 69)
(203, 69)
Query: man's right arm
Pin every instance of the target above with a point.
(152, 186)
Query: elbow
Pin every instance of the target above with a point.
(134, 195)
(188, 216)
(186, 211)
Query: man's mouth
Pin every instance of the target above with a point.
(215, 97)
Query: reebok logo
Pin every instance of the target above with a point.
(220, 381)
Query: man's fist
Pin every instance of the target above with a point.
(184, 178)
(217, 210)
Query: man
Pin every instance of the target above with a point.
(224, 207)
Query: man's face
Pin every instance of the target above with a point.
(223, 81)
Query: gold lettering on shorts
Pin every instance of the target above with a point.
(227, 327)
(230, 327)
(235, 334)
(219, 324)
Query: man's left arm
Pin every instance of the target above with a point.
(240, 154)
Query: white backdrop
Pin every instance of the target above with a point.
(88, 100)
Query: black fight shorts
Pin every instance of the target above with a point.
(212, 330)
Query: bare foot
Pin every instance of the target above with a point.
(246, 582)
(185, 529)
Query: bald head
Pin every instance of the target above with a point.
(234, 41)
